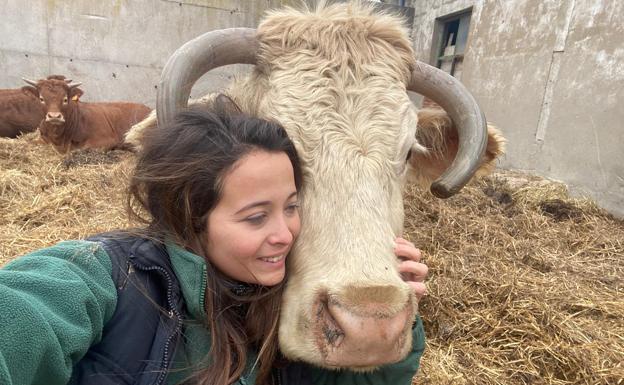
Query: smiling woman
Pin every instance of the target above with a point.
(234, 181)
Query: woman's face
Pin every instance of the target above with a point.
(254, 225)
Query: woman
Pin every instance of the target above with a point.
(195, 296)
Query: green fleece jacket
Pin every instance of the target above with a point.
(55, 302)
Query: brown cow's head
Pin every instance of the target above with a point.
(55, 94)
(337, 79)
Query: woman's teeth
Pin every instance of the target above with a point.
(273, 259)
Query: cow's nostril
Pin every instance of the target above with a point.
(333, 335)
(331, 332)
(55, 117)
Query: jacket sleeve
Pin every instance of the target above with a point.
(54, 303)
(400, 373)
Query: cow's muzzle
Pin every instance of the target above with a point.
(55, 118)
(366, 334)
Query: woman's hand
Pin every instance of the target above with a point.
(412, 271)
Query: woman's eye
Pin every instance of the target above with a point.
(256, 219)
(292, 208)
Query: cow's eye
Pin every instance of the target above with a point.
(41, 99)
(65, 100)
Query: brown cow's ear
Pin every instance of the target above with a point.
(75, 94)
(30, 90)
(226, 105)
(437, 143)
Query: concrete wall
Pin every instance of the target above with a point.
(117, 48)
(550, 73)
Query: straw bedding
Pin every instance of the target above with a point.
(525, 283)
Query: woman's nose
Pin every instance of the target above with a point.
(281, 233)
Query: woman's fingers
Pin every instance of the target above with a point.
(418, 288)
(413, 271)
(406, 250)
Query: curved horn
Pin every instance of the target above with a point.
(74, 85)
(31, 82)
(194, 59)
(463, 109)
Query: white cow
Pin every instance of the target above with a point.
(337, 79)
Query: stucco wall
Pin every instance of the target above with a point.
(117, 48)
(551, 75)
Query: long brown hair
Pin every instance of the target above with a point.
(178, 180)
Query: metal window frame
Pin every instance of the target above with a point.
(440, 35)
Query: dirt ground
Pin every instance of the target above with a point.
(525, 283)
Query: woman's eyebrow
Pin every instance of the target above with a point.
(252, 205)
(261, 203)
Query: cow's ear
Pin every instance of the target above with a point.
(30, 90)
(75, 94)
(437, 143)
(226, 105)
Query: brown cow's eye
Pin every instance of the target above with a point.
(41, 99)
(65, 100)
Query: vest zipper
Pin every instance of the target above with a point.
(204, 285)
(172, 312)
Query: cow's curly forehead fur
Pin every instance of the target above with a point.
(56, 86)
(335, 78)
(350, 36)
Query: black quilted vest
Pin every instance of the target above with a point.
(138, 343)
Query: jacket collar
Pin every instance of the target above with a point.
(190, 269)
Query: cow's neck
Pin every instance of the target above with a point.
(72, 121)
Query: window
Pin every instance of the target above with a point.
(450, 35)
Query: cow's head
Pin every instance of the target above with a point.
(55, 93)
(337, 79)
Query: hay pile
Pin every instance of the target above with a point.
(46, 197)
(525, 283)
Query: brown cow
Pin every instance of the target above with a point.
(20, 112)
(70, 124)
